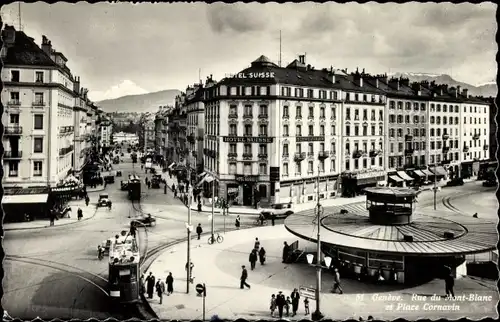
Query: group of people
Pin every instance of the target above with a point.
(159, 286)
(284, 304)
(257, 253)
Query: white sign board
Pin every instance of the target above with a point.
(308, 292)
(148, 165)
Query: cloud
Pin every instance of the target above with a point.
(127, 87)
(235, 18)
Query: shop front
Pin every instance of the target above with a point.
(25, 204)
(246, 190)
(353, 183)
(300, 191)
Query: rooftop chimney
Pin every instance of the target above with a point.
(465, 92)
(76, 84)
(376, 83)
(330, 75)
(453, 91)
(394, 82)
(9, 35)
(404, 81)
(302, 59)
(46, 45)
(459, 90)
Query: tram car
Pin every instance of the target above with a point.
(134, 187)
(124, 271)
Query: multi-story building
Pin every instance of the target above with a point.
(149, 134)
(106, 133)
(195, 108)
(39, 118)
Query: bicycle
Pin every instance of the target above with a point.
(257, 222)
(214, 238)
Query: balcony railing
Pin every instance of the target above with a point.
(322, 155)
(232, 155)
(262, 155)
(233, 116)
(485, 147)
(286, 155)
(263, 134)
(286, 116)
(12, 154)
(66, 150)
(333, 153)
(298, 117)
(248, 115)
(310, 154)
(465, 149)
(310, 117)
(14, 103)
(475, 136)
(13, 130)
(374, 153)
(247, 156)
(263, 116)
(300, 156)
(445, 136)
(409, 151)
(408, 137)
(38, 104)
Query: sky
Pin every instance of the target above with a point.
(124, 49)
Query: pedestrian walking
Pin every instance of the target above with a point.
(170, 283)
(149, 184)
(244, 277)
(261, 219)
(199, 206)
(262, 256)
(199, 230)
(142, 287)
(87, 200)
(272, 305)
(150, 283)
(295, 301)
(252, 259)
(449, 282)
(273, 218)
(160, 289)
(191, 278)
(286, 251)
(288, 304)
(199, 198)
(173, 186)
(79, 213)
(165, 189)
(336, 282)
(175, 193)
(257, 244)
(306, 305)
(280, 303)
(237, 222)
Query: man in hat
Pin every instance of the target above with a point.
(295, 301)
(280, 303)
(244, 277)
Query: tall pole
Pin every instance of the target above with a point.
(20, 23)
(188, 271)
(213, 202)
(280, 50)
(435, 185)
(318, 314)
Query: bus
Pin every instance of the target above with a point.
(134, 187)
(124, 271)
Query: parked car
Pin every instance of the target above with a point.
(146, 220)
(489, 183)
(124, 185)
(455, 182)
(281, 210)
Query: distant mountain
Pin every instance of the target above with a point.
(487, 89)
(139, 103)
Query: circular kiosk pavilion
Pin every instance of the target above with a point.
(388, 237)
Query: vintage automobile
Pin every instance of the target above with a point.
(155, 183)
(146, 220)
(118, 173)
(455, 182)
(109, 179)
(490, 183)
(103, 200)
(280, 210)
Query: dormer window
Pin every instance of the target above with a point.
(14, 76)
(38, 77)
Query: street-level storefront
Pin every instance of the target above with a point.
(300, 191)
(245, 190)
(25, 204)
(470, 169)
(439, 172)
(353, 183)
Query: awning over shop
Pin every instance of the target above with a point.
(440, 171)
(427, 173)
(404, 176)
(25, 199)
(396, 178)
(419, 173)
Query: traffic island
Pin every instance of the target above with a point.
(218, 266)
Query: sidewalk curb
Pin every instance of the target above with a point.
(55, 226)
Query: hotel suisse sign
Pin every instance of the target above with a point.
(371, 174)
(253, 75)
(246, 178)
(247, 139)
(309, 138)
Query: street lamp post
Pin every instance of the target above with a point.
(317, 315)
(213, 202)
(435, 188)
(189, 228)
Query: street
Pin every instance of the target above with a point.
(54, 272)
